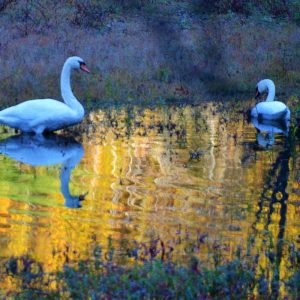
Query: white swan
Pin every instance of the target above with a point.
(269, 109)
(41, 115)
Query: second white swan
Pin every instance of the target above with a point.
(41, 115)
(269, 109)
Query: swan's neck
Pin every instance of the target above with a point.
(66, 169)
(66, 91)
(65, 179)
(70, 201)
(271, 91)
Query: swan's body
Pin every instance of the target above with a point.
(44, 151)
(47, 114)
(40, 115)
(269, 109)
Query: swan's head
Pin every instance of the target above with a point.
(264, 85)
(77, 63)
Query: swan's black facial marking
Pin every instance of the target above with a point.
(257, 93)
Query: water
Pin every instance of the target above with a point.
(179, 173)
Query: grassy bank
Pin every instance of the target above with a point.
(159, 50)
(153, 275)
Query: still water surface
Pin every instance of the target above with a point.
(177, 172)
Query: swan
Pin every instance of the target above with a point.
(47, 150)
(41, 115)
(269, 109)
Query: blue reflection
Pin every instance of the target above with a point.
(266, 130)
(44, 151)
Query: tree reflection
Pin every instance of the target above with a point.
(274, 193)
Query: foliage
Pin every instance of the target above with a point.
(102, 277)
(156, 279)
(31, 16)
(139, 49)
(277, 8)
(39, 15)
(92, 13)
(4, 4)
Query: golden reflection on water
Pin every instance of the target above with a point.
(151, 172)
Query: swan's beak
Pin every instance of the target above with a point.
(84, 68)
(257, 94)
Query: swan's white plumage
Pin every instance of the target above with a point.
(39, 115)
(269, 109)
(47, 114)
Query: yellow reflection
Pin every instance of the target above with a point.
(141, 178)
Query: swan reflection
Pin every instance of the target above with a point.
(44, 151)
(266, 130)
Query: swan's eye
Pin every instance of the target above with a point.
(82, 63)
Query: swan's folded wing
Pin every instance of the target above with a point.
(272, 107)
(39, 111)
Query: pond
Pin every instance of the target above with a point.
(179, 173)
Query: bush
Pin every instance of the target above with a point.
(31, 16)
(92, 13)
(102, 278)
(5, 3)
(276, 8)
